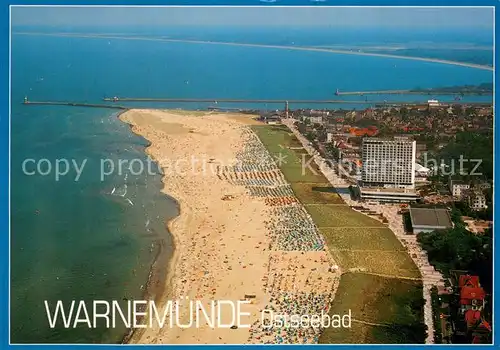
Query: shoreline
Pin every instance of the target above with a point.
(285, 47)
(132, 335)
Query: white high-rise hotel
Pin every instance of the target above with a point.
(388, 163)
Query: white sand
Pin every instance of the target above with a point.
(222, 246)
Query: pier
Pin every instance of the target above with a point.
(228, 109)
(412, 92)
(226, 100)
(381, 92)
(213, 107)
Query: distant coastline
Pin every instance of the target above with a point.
(480, 90)
(284, 47)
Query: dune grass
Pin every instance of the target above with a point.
(391, 308)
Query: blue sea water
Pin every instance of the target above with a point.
(82, 239)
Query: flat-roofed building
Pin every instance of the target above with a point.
(329, 137)
(381, 194)
(430, 219)
(433, 103)
(316, 119)
(388, 162)
(270, 118)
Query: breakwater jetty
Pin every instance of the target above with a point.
(226, 100)
(75, 104)
(281, 101)
(412, 92)
(286, 103)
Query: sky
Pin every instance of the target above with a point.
(255, 16)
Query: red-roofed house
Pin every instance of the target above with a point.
(472, 303)
(472, 298)
(472, 317)
(471, 294)
(476, 340)
(342, 145)
(370, 131)
(481, 334)
(469, 281)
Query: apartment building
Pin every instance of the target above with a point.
(388, 162)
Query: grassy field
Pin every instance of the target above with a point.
(356, 238)
(391, 303)
(340, 216)
(282, 144)
(388, 305)
(374, 250)
(390, 263)
(315, 193)
(360, 333)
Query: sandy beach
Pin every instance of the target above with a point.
(240, 235)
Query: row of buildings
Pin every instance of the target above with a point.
(472, 193)
(432, 119)
(388, 172)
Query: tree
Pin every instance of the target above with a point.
(404, 113)
(333, 151)
(459, 249)
(310, 136)
(318, 126)
(473, 148)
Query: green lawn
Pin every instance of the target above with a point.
(390, 302)
(397, 264)
(367, 334)
(340, 216)
(282, 144)
(362, 238)
(315, 193)
(374, 250)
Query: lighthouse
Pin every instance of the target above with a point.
(286, 109)
(26, 99)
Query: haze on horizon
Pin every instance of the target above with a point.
(481, 18)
